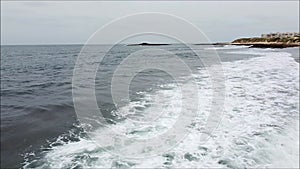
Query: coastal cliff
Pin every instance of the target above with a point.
(273, 42)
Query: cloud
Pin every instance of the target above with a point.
(74, 21)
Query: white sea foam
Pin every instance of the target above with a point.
(259, 128)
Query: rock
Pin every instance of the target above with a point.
(268, 42)
(148, 44)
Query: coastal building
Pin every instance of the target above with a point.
(281, 35)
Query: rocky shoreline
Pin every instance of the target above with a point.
(268, 42)
(255, 42)
(267, 45)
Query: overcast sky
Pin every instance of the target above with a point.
(74, 22)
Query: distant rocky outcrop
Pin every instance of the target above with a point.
(148, 44)
(214, 44)
(262, 42)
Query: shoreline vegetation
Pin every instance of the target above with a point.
(268, 42)
(271, 40)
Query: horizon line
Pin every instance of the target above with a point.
(52, 44)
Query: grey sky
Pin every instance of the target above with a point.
(74, 22)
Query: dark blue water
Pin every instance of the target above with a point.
(36, 99)
(36, 91)
(36, 95)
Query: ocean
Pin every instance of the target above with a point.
(259, 126)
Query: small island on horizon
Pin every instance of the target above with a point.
(148, 44)
(271, 40)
